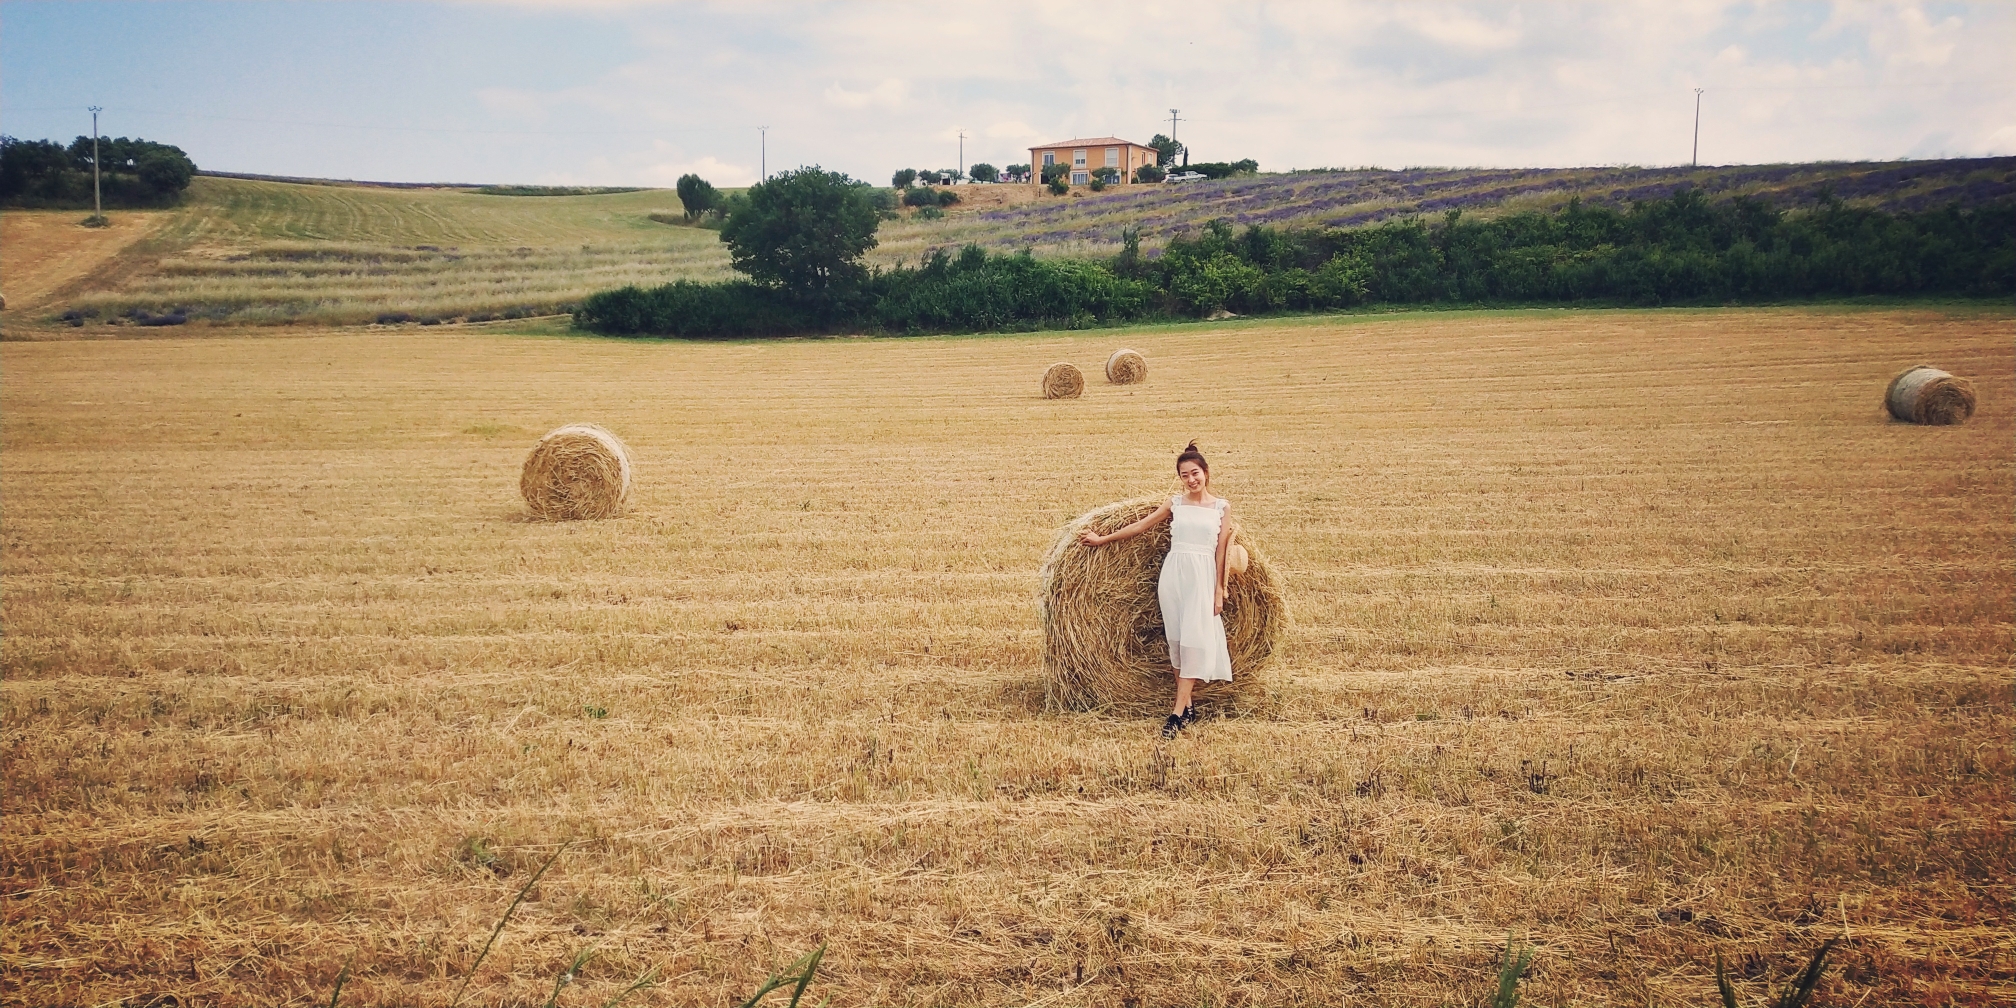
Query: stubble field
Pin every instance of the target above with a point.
(1642, 635)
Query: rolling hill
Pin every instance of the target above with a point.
(243, 250)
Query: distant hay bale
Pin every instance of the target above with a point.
(1924, 394)
(1103, 643)
(1062, 381)
(1126, 367)
(577, 471)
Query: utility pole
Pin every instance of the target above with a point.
(763, 153)
(960, 168)
(1172, 134)
(1696, 163)
(97, 191)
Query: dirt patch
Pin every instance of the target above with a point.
(43, 251)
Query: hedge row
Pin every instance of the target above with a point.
(1680, 250)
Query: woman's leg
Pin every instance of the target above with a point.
(1183, 693)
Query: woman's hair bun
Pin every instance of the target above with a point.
(1192, 446)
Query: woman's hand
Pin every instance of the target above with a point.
(1218, 604)
(1093, 538)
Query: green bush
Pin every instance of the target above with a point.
(1059, 187)
(694, 310)
(1680, 250)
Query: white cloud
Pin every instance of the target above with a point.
(890, 93)
(866, 87)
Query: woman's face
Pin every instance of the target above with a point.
(1192, 475)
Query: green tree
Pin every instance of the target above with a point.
(1149, 173)
(803, 233)
(904, 178)
(164, 171)
(984, 172)
(1165, 149)
(697, 194)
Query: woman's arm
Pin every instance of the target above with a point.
(1224, 545)
(1094, 539)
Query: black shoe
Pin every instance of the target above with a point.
(1172, 725)
(1190, 715)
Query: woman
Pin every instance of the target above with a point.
(1192, 586)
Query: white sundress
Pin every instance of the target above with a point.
(1187, 590)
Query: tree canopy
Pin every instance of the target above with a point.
(697, 195)
(134, 173)
(803, 233)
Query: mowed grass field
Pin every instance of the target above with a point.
(1641, 635)
(247, 251)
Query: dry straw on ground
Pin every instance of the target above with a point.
(576, 471)
(1063, 381)
(1926, 395)
(1103, 646)
(285, 691)
(1126, 367)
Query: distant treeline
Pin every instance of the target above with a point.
(543, 190)
(1679, 250)
(134, 173)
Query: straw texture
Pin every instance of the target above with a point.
(1103, 645)
(1126, 367)
(1063, 381)
(576, 471)
(1924, 394)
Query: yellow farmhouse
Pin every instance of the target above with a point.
(1089, 155)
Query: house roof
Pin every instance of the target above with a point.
(1088, 142)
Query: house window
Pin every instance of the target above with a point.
(1078, 159)
(1112, 157)
(1049, 157)
(1080, 178)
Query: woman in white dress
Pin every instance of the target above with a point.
(1192, 585)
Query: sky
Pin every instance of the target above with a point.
(608, 92)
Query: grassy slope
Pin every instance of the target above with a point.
(254, 251)
(238, 211)
(257, 251)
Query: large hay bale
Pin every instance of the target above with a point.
(1126, 367)
(576, 471)
(1924, 394)
(1062, 381)
(1103, 645)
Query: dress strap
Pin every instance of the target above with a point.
(1223, 504)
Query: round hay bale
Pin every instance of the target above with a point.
(1063, 381)
(1924, 394)
(1103, 644)
(1126, 367)
(576, 471)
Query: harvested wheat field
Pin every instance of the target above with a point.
(1644, 636)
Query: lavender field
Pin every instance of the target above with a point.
(1086, 221)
